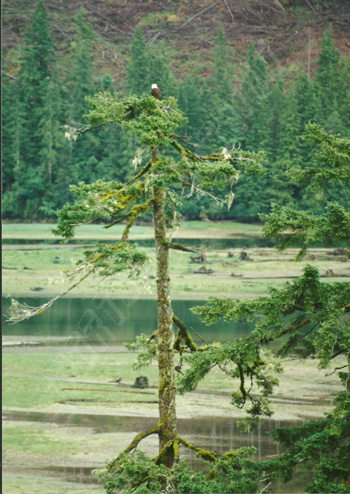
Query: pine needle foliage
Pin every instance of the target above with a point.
(309, 319)
(166, 167)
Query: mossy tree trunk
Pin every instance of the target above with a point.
(167, 407)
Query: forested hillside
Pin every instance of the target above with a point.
(246, 73)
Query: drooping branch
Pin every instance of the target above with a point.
(118, 220)
(137, 439)
(184, 139)
(193, 156)
(20, 312)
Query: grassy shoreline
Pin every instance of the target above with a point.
(64, 424)
(66, 382)
(40, 272)
(188, 229)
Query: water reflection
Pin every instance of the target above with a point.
(214, 433)
(112, 321)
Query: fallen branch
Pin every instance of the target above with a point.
(108, 20)
(11, 76)
(229, 10)
(311, 7)
(197, 14)
(112, 390)
(276, 2)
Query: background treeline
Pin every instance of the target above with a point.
(241, 104)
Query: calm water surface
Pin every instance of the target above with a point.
(112, 321)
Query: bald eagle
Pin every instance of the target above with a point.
(156, 91)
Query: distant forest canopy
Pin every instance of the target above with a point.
(247, 104)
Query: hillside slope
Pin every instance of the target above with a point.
(285, 36)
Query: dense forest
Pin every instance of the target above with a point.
(248, 102)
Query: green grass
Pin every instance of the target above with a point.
(24, 484)
(222, 226)
(46, 375)
(46, 268)
(39, 382)
(34, 438)
(44, 230)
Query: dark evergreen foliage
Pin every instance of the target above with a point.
(248, 107)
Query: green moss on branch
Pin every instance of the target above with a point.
(203, 453)
(137, 439)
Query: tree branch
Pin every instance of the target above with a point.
(184, 334)
(229, 10)
(137, 439)
(203, 453)
(141, 173)
(197, 14)
(134, 212)
(177, 246)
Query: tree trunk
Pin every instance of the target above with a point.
(167, 408)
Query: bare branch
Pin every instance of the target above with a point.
(229, 10)
(198, 13)
(110, 23)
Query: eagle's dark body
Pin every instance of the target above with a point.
(156, 92)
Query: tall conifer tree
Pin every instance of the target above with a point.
(328, 73)
(84, 155)
(138, 69)
(222, 96)
(33, 82)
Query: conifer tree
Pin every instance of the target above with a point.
(253, 91)
(53, 151)
(328, 73)
(308, 319)
(12, 122)
(222, 96)
(189, 103)
(308, 109)
(38, 52)
(343, 92)
(151, 189)
(254, 108)
(84, 157)
(138, 68)
(33, 83)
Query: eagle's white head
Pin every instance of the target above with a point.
(154, 86)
